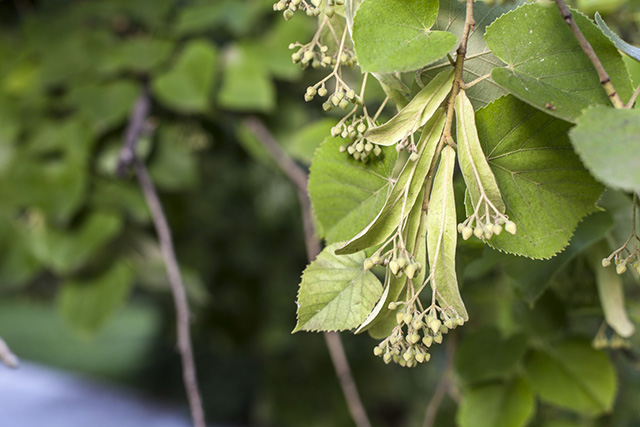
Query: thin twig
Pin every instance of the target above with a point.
(605, 81)
(134, 131)
(633, 98)
(7, 357)
(298, 177)
(443, 385)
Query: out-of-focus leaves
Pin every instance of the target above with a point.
(88, 303)
(187, 86)
(173, 166)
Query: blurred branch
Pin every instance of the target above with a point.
(444, 385)
(134, 131)
(298, 177)
(7, 357)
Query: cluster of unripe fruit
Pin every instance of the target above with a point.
(422, 330)
(399, 263)
(486, 229)
(621, 263)
(311, 7)
(308, 55)
(358, 147)
(341, 98)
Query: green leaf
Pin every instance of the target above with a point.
(394, 35)
(246, 84)
(573, 375)
(336, 292)
(65, 251)
(479, 59)
(497, 405)
(610, 291)
(442, 236)
(345, 193)
(87, 304)
(304, 142)
(545, 64)
(475, 364)
(546, 189)
(531, 277)
(139, 54)
(606, 139)
(403, 194)
(187, 87)
(632, 51)
(481, 183)
(173, 166)
(415, 114)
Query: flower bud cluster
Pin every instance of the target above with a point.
(622, 262)
(317, 55)
(342, 97)
(409, 342)
(310, 7)
(485, 228)
(399, 262)
(358, 147)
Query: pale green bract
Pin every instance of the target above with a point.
(608, 142)
(336, 292)
(632, 51)
(546, 66)
(545, 187)
(415, 114)
(393, 35)
(442, 236)
(404, 193)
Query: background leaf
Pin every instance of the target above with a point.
(632, 51)
(345, 193)
(546, 189)
(607, 141)
(336, 292)
(573, 375)
(394, 35)
(545, 64)
(497, 405)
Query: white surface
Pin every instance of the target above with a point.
(35, 396)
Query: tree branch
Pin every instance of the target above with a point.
(298, 177)
(135, 129)
(605, 81)
(6, 355)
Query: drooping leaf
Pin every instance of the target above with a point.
(497, 405)
(442, 236)
(544, 185)
(345, 193)
(481, 183)
(546, 66)
(403, 194)
(187, 86)
(610, 291)
(531, 277)
(415, 114)
(474, 364)
(87, 304)
(573, 375)
(632, 51)
(607, 141)
(479, 59)
(394, 35)
(336, 292)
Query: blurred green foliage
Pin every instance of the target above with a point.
(82, 284)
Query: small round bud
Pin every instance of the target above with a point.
(459, 321)
(511, 227)
(497, 229)
(414, 157)
(621, 268)
(407, 318)
(444, 329)
(606, 262)
(368, 264)
(460, 227)
(410, 271)
(420, 357)
(387, 357)
(362, 127)
(335, 131)
(360, 149)
(377, 351)
(368, 147)
(438, 338)
(435, 325)
(357, 155)
(311, 90)
(343, 104)
(295, 57)
(377, 150)
(329, 11)
(427, 340)
(487, 234)
(399, 317)
(351, 149)
(288, 14)
(449, 324)
(467, 232)
(478, 232)
(408, 355)
(343, 148)
(394, 267)
(417, 323)
(322, 91)
(414, 338)
(326, 106)
(392, 305)
(334, 100)
(351, 94)
(402, 261)
(308, 97)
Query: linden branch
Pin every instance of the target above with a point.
(336, 350)
(135, 129)
(605, 81)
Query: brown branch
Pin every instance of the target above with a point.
(298, 177)
(7, 357)
(633, 98)
(444, 385)
(133, 133)
(605, 81)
